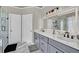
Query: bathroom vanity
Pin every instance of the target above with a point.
(49, 43)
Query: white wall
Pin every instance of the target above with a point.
(48, 8)
(11, 9)
(36, 12)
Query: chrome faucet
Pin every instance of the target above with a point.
(66, 34)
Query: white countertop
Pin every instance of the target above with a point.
(74, 43)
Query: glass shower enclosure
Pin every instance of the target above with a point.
(3, 29)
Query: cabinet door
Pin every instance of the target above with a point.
(35, 35)
(57, 44)
(36, 39)
(37, 42)
(52, 49)
(43, 46)
(63, 47)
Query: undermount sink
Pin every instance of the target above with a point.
(60, 37)
(68, 39)
(73, 42)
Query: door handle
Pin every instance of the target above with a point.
(7, 37)
(10, 30)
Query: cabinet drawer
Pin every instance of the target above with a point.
(52, 49)
(43, 38)
(43, 46)
(36, 39)
(63, 47)
(56, 44)
(37, 43)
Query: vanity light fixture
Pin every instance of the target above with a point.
(51, 11)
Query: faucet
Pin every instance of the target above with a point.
(66, 34)
(42, 30)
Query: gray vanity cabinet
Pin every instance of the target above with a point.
(43, 43)
(52, 49)
(43, 46)
(56, 44)
(36, 39)
(63, 47)
(44, 38)
(47, 45)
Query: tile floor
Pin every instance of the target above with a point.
(23, 48)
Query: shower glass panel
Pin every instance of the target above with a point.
(3, 28)
(0, 33)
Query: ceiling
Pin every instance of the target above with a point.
(43, 8)
(29, 6)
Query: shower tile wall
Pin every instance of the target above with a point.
(4, 29)
(0, 33)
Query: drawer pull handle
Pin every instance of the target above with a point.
(56, 51)
(42, 43)
(36, 39)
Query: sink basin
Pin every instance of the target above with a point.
(60, 37)
(68, 39)
(72, 42)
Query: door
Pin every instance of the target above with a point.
(27, 28)
(14, 28)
